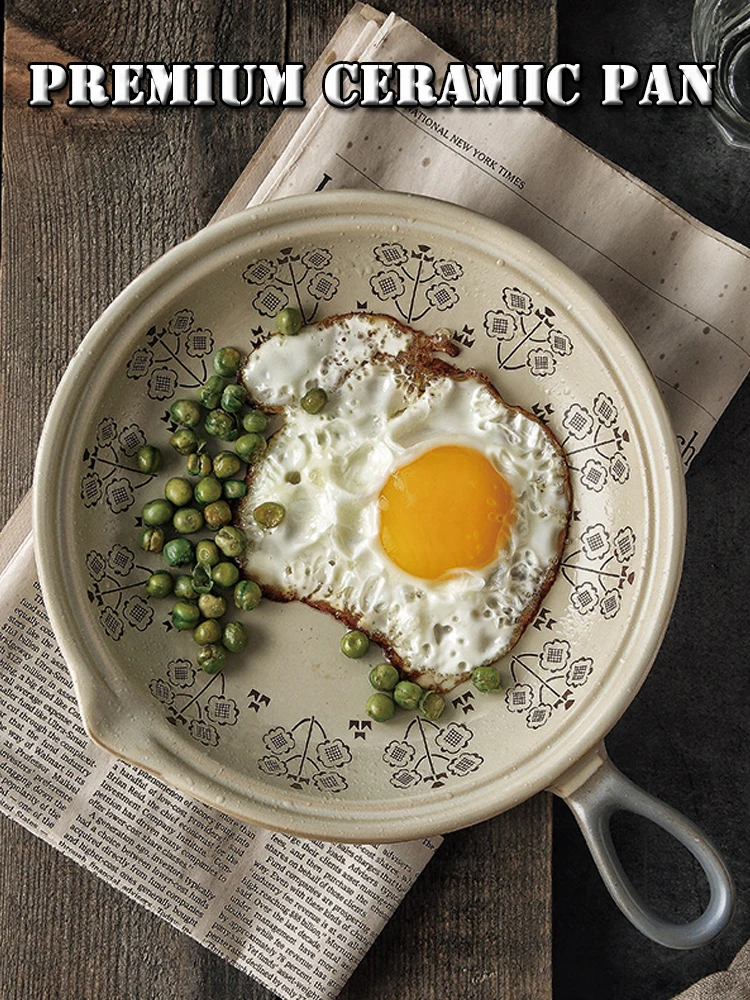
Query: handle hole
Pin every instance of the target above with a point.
(663, 871)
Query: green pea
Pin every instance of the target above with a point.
(269, 514)
(183, 587)
(202, 581)
(209, 395)
(355, 644)
(184, 441)
(199, 465)
(217, 514)
(159, 584)
(226, 465)
(293, 477)
(225, 574)
(234, 637)
(185, 615)
(234, 489)
(250, 446)
(151, 539)
(157, 512)
(227, 361)
(148, 459)
(314, 400)
(186, 412)
(179, 552)
(380, 707)
(207, 490)
(255, 421)
(211, 658)
(247, 595)
(486, 678)
(384, 677)
(407, 694)
(432, 705)
(178, 491)
(220, 424)
(207, 632)
(233, 398)
(289, 321)
(187, 520)
(231, 541)
(212, 606)
(207, 552)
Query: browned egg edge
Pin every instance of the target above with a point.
(419, 363)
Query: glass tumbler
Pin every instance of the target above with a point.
(721, 35)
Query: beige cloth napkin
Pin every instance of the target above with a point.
(732, 984)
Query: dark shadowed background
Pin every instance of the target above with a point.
(686, 737)
(90, 198)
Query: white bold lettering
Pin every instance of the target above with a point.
(617, 77)
(87, 86)
(699, 79)
(555, 83)
(456, 90)
(333, 84)
(45, 77)
(497, 88)
(659, 86)
(126, 87)
(376, 92)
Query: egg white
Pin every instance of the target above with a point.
(328, 469)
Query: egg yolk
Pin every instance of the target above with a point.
(449, 509)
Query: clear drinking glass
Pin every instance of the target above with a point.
(721, 35)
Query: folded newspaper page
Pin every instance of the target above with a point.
(253, 896)
(680, 288)
(296, 915)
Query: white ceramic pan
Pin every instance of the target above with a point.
(280, 737)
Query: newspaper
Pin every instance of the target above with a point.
(298, 915)
(681, 289)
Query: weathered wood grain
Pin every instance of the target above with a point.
(92, 197)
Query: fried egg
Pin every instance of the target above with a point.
(420, 508)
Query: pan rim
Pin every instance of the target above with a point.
(354, 825)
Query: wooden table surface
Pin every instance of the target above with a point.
(91, 197)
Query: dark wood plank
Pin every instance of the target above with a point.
(480, 31)
(65, 934)
(91, 197)
(477, 924)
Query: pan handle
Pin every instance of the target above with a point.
(595, 790)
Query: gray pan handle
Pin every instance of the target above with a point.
(604, 791)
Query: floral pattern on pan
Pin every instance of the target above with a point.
(305, 755)
(546, 681)
(429, 753)
(195, 700)
(415, 281)
(172, 357)
(304, 280)
(117, 590)
(527, 335)
(528, 341)
(110, 471)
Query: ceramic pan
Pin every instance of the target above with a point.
(280, 738)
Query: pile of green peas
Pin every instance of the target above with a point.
(391, 691)
(207, 575)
